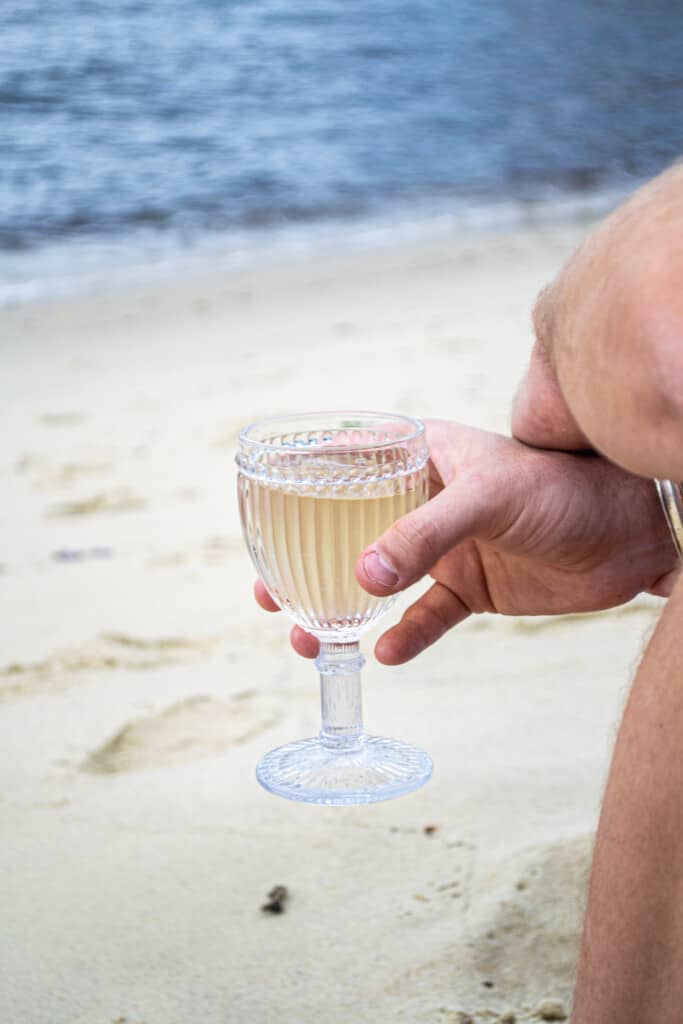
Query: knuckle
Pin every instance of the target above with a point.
(428, 623)
(415, 542)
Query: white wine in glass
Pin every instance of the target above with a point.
(315, 490)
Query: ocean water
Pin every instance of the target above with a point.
(138, 135)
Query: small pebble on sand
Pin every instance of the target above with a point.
(277, 898)
(551, 1009)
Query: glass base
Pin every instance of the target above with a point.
(314, 773)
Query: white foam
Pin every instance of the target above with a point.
(90, 266)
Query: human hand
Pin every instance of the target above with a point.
(514, 530)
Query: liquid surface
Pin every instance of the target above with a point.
(305, 546)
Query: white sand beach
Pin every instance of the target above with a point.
(140, 683)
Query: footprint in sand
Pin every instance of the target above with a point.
(120, 499)
(45, 474)
(110, 652)
(193, 729)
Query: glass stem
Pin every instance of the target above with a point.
(340, 696)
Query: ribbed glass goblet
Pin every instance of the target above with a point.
(314, 491)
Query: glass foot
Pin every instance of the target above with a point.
(378, 769)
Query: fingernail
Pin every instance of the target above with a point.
(379, 570)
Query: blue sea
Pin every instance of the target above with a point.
(139, 135)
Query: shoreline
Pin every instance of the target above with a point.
(111, 264)
(222, 289)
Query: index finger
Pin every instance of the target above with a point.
(263, 597)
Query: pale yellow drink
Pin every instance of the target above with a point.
(305, 545)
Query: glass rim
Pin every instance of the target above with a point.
(417, 430)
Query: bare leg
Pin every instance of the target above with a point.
(631, 967)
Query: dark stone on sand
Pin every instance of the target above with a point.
(277, 898)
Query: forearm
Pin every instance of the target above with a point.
(612, 323)
(632, 955)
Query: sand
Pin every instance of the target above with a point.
(139, 683)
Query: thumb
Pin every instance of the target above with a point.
(416, 542)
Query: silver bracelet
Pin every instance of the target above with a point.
(671, 497)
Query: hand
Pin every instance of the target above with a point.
(514, 530)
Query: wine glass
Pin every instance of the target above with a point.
(314, 491)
